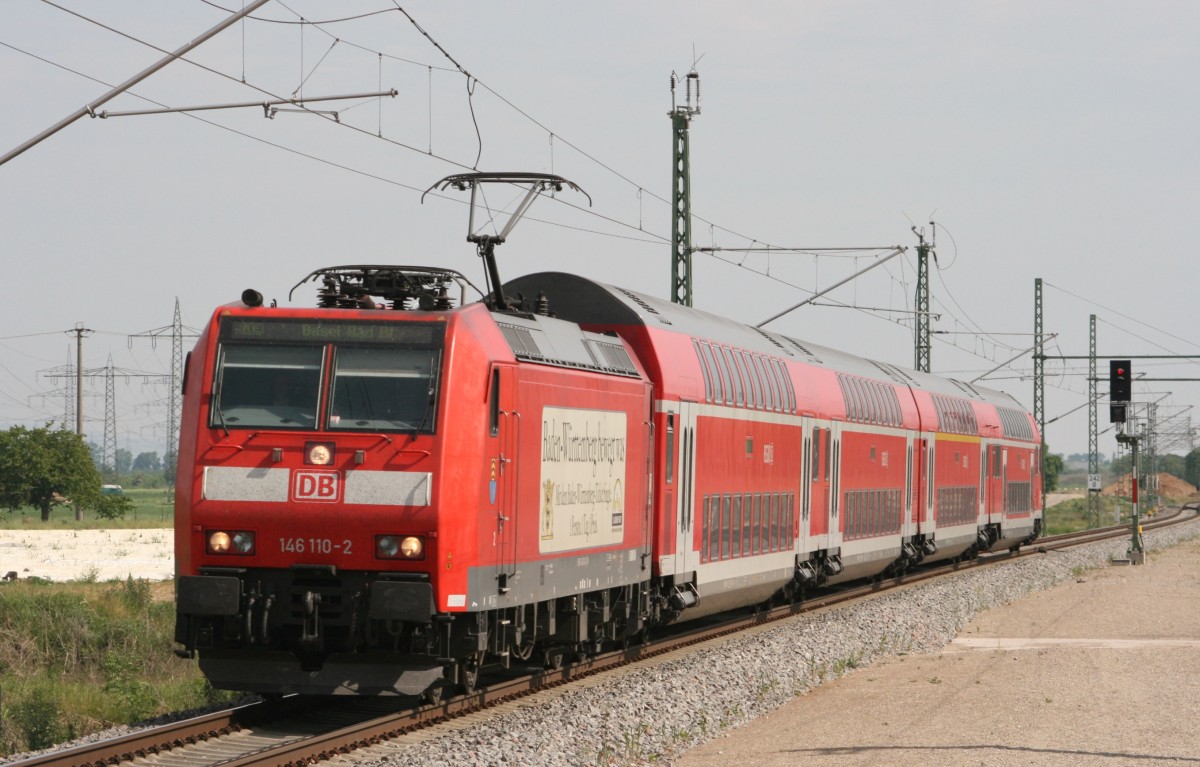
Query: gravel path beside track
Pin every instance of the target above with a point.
(1014, 708)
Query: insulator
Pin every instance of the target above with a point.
(543, 304)
(443, 299)
(327, 299)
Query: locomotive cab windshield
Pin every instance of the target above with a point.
(383, 376)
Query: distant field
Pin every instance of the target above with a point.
(151, 508)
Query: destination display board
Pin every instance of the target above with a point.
(422, 334)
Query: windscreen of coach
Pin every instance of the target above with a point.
(383, 375)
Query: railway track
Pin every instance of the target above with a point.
(298, 731)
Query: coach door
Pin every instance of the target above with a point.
(995, 483)
(687, 557)
(818, 486)
(833, 475)
(806, 485)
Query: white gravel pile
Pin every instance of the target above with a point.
(650, 715)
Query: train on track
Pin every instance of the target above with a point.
(393, 489)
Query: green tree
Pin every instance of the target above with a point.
(113, 506)
(147, 462)
(1051, 469)
(42, 467)
(1191, 464)
(168, 466)
(124, 461)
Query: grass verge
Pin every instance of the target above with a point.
(76, 658)
(152, 507)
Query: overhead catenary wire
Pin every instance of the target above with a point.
(555, 137)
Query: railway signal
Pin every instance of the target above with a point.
(1120, 389)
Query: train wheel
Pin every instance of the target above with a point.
(468, 673)
(433, 696)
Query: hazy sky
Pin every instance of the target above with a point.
(1046, 139)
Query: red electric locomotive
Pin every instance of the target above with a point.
(382, 494)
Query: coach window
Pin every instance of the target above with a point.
(774, 521)
(717, 393)
(768, 376)
(705, 530)
(735, 528)
(789, 393)
(876, 403)
(862, 400)
(708, 386)
(747, 523)
(856, 408)
(828, 455)
(267, 387)
(726, 524)
(726, 375)
(768, 384)
(816, 455)
(378, 388)
(738, 397)
(754, 396)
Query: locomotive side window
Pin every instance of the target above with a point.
(384, 389)
(267, 387)
(494, 405)
(670, 447)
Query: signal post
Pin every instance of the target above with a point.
(1120, 392)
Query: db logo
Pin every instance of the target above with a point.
(322, 486)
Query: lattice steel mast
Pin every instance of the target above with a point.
(681, 192)
(921, 331)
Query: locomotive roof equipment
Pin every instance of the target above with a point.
(406, 287)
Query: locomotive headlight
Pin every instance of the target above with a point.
(243, 542)
(318, 453)
(387, 546)
(399, 547)
(236, 542)
(219, 542)
(412, 547)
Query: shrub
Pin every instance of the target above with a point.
(39, 719)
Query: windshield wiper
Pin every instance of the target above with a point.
(432, 384)
(217, 405)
